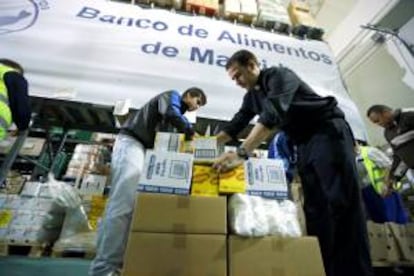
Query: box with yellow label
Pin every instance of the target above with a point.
(233, 181)
(205, 181)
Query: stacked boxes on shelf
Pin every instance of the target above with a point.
(204, 7)
(273, 14)
(240, 10)
(304, 24)
(88, 167)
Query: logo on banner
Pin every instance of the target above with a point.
(19, 15)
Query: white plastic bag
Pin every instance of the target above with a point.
(254, 216)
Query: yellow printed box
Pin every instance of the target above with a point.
(205, 181)
(233, 181)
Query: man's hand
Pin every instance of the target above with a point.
(227, 161)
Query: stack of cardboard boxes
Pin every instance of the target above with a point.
(173, 233)
(177, 235)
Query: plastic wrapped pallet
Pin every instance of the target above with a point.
(31, 219)
(255, 217)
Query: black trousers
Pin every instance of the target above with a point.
(326, 165)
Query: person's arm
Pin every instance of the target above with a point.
(170, 107)
(239, 121)
(257, 135)
(223, 137)
(19, 100)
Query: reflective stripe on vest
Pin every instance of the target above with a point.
(5, 113)
(376, 174)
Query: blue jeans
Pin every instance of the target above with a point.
(126, 167)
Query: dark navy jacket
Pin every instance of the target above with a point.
(19, 102)
(283, 100)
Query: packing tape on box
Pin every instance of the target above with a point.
(180, 241)
(183, 202)
(179, 228)
(278, 271)
(278, 245)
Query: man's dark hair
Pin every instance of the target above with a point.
(378, 109)
(196, 92)
(12, 64)
(241, 57)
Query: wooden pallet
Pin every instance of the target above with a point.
(29, 249)
(71, 253)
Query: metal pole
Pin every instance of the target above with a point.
(12, 154)
(62, 144)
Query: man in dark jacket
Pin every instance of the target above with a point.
(399, 132)
(137, 135)
(14, 97)
(326, 160)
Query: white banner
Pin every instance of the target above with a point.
(100, 51)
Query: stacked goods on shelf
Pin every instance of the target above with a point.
(304, 24)
(204, 7)
(273, 14)
(240, 10)
(183, 235)
(88, 167)
(176, 4)
(32, 146)
(13, 184)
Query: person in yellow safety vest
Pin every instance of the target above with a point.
(14, 99)
(377, 165)
(382, 203)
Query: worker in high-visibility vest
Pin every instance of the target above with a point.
(376, 172)
(382, 203)
(14, 98)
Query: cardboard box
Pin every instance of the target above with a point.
(266, 178)
(273, 256)
(383, 245)
(205, 181)
(206, 150)
(166, 141)
(233, 181)
(166, 172)
(175, 254)
(180, 214)
(401, 235)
